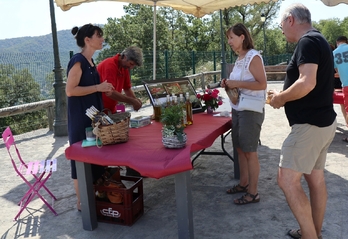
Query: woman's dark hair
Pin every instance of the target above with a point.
(87, 30)
(239, 29)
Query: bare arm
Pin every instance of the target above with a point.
(302, 86)
(72, 85)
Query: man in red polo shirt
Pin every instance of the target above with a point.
(115, 70)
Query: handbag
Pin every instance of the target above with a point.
(233, 94)
(252, 103)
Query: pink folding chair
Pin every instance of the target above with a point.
(40, 170)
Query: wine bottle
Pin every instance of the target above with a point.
(189, 112)
(183, 105)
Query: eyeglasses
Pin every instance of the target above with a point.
(280, 24)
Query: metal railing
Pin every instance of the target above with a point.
(199, 81)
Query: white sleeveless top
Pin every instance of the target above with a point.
(247, 76)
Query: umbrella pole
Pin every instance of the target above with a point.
(223, 56)
(154, 39)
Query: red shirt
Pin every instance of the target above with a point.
(118, 76)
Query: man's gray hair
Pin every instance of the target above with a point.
(133, 53)
(299, 11)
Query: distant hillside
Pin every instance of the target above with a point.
(66, 42)
(36, 55)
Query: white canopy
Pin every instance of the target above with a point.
(334, 2)
(198, 8)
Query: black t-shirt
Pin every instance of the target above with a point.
(316, 108)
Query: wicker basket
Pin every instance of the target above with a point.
(113, 133)
(172, 142)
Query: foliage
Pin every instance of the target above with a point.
(331, 29)
(210, 98)
(171, 119)
(17, 88)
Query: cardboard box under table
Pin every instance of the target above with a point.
(127, 212)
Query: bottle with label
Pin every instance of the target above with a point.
(183, 105)
(168, 101)
(189, 112)
(173, 99)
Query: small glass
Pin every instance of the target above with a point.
(89, 134)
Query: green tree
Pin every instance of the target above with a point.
(250, 16)
(18, 87)
(330, 28)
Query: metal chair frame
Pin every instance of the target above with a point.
(43, 167)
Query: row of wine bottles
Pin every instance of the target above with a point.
(174, 100)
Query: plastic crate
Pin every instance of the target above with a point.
(127, 212)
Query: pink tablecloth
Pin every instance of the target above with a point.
(145, 152)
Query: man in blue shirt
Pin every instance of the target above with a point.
(341, 66)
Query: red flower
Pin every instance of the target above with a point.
(211, 98)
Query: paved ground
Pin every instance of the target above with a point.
(215, 215)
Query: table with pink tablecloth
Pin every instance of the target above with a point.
(145, 153)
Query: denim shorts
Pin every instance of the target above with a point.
(246, 128)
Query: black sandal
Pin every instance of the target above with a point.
(237, 189)
(295, 233)
(243, 200)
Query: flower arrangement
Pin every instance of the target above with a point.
(210, 98)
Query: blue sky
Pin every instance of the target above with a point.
(20, 18)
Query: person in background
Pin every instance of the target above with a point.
(341, 67)
(116, 70)
(308, 102)
(83, 89)
(250, 77)
(338, 88)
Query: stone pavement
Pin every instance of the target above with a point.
(215, 216)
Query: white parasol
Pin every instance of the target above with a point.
(334, 2)
(198, 8)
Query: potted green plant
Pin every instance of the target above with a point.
(173, 135)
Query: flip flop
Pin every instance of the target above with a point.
(295, 233)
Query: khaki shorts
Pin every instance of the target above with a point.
(306, 147)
